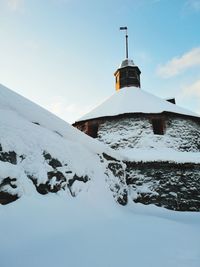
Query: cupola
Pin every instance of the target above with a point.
(128, 74)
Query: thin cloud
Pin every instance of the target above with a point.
(193, 5)
(32, 45)
(14, 4)
(178, 65)
(192, 90)
(68, 112)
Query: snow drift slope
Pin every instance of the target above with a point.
(39, 150)
(11, 101)
(84, 232)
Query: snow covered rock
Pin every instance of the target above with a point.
(39, 151)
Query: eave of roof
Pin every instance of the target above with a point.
(132, 100)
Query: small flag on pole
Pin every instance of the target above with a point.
(123, 28)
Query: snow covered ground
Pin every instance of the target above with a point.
(92, 230)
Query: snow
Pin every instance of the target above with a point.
(30, 131)
(26, 138)
(13, 104)
(134, 100)
(17, 111)
(127, 62)
(90, 229)
(162, 154)
(86, 232)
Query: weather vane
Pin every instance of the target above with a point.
(125, 29)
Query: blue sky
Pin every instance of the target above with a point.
(62, 53)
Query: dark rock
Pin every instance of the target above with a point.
(109, 158)
(53, 162)
(71, 181)
(59, 175)
(6, 198)
(123, 198)
(37, 123)
(41, 188)
(47, 156)
(116, 169)
(10, 157)
(22, 157)
(8, 181)
(45, 188)
(83, 179)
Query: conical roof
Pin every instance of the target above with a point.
(134, 100)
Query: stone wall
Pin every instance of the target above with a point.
(173, 186)
(170, 185)
(181, 133)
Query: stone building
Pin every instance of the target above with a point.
(133, 118)
(160, 142)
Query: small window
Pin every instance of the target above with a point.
(158, 126)
(133, 74)
(93, 130)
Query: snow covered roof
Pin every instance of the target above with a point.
(134, 100)
(126, 63)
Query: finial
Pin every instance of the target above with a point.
(125, 29)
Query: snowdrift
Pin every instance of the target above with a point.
(40, 151)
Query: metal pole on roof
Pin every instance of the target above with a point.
(125, 29)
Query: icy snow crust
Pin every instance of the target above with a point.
(134, 100)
